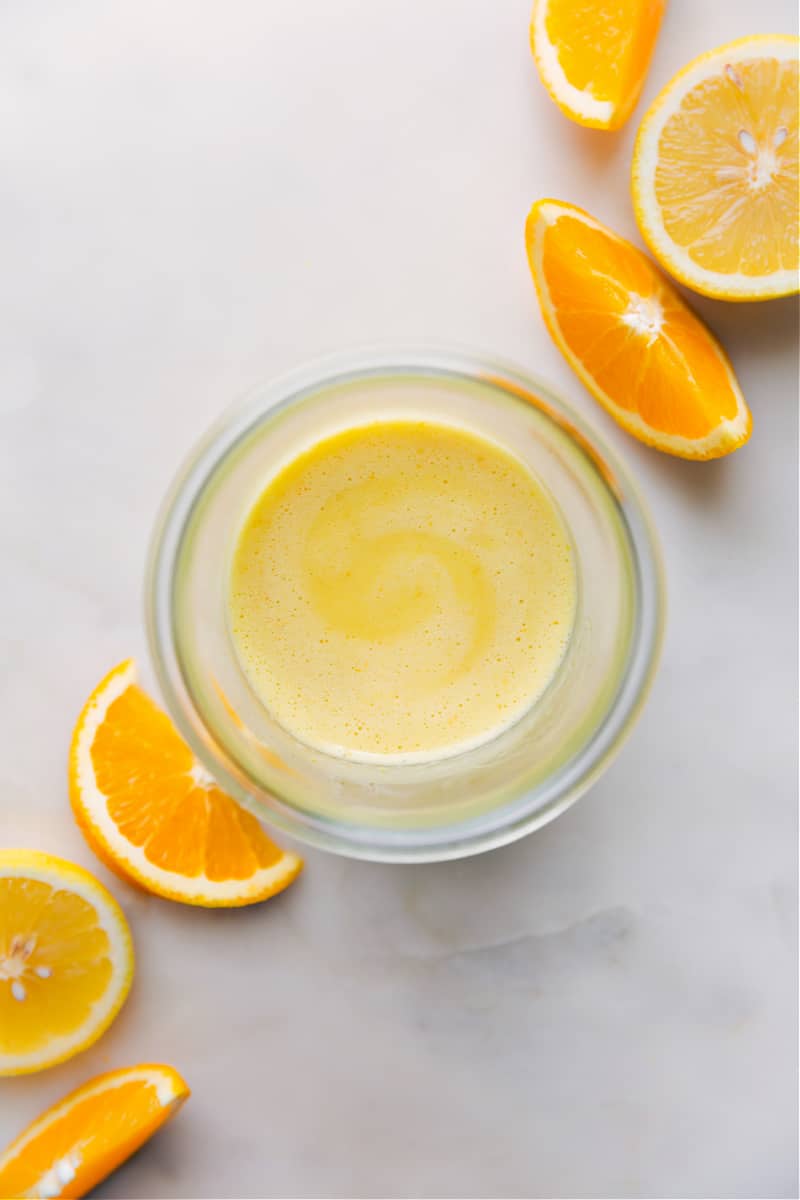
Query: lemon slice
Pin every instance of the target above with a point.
(715, 171)
(66, 960)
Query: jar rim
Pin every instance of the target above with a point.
(532, 807)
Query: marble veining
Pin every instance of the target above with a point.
(197, 195)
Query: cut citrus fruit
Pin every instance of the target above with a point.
(593, 55)
(150, 810)
(715, 175)
(66, 960)
(73, 1146)
(633, 341)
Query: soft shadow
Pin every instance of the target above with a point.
(703, 484)
(765, 327)
(598, 148)
(500, 895)
(250, 914)
(166, 1151)
(191, 921)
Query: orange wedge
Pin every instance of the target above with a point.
(153, 813)
(79, 1141)
(715, 171)
(630, 337)
(66, 961)
(593, 55)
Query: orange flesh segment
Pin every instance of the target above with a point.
(605, 48)
(145, 770)
(726, 179)
(675, 380)
(91, 1138)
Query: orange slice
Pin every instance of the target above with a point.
(66, 961)
(152, 812)
(715, 171)
(79, 1141)
(593, 55)
(630, 337)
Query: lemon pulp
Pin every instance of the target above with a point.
(402, 588)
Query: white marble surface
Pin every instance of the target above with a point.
(198, 194)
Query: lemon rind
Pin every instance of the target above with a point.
(716, 284)
(57, 872)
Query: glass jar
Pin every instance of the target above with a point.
(419, 811)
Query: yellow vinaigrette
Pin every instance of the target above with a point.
(403, 588)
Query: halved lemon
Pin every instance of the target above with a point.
(153, 813)
(630, 337)
(593, 55)
(715, 171)
(79, 1141)
(66, 960)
